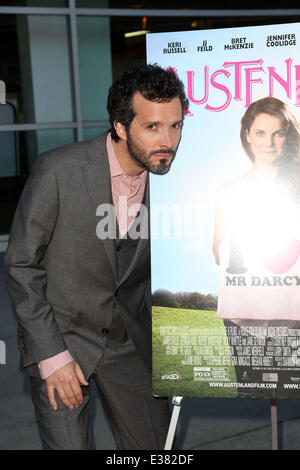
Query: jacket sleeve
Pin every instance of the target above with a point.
(30, 235)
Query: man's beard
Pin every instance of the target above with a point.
(143, 159)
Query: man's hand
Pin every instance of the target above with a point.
(66, 381)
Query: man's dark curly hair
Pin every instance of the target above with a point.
(153, 82)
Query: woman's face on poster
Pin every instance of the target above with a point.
(266, 137)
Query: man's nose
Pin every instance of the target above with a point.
(166, 139)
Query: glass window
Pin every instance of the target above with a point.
(18, 153)
(95, 66)
(93, 132)
(176, 4)
(10, 191)
(34, 3)
(20, 149)
(94, 4)
(48, 139)
(36, 67)
(150, 4)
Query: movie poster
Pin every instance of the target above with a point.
(225, 220)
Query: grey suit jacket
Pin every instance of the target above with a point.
(61, 277)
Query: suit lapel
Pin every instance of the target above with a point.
(96, 175)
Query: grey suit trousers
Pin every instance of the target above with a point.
(138, 420)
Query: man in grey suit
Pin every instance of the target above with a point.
(78, 269)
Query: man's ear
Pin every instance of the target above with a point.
(120, 130)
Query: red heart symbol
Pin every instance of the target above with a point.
(284, 259)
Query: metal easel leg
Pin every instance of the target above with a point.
(273, 404)
(176, 401)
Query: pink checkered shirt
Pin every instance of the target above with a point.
(127, 193)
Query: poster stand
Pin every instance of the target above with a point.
(176, 401)
(273, 404)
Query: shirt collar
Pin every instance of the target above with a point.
(114, 164)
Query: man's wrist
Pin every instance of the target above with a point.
(52, 364)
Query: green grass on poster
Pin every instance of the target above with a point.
(191, 322)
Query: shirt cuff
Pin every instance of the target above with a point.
(52, 364)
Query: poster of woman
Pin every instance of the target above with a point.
(225, 229)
